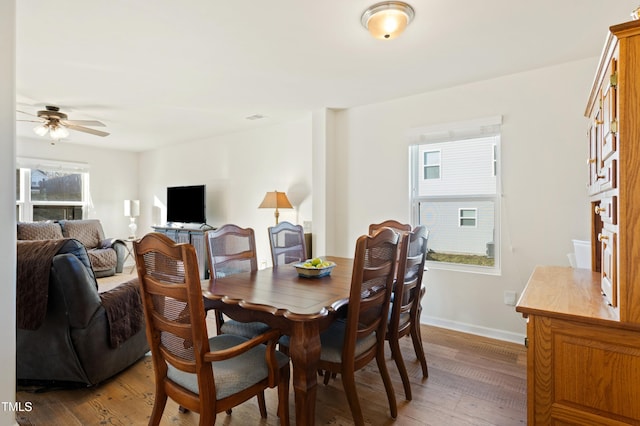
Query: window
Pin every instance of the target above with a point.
(460, 208)
(432, 164)
(48, 190)
(467, 217)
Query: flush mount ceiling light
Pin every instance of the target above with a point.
(388, 19)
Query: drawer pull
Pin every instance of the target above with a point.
(592, 160)
(602, 237)
(599, 209)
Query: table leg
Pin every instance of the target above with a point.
(305, 354)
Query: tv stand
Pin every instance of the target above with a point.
(193, 236)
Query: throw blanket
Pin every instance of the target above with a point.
(124, 311)
(32, 284)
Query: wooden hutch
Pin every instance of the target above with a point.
(583, 327)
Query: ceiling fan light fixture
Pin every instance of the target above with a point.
(388, 19)
(58, 132)
(41, 129)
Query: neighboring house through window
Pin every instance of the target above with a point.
(51, 190)
(455, 193)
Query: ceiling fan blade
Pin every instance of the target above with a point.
(83, 123)
(87, 130)
(24, 112)
(32, 121)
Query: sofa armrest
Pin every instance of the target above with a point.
(78, 288)
(110, 243)
(121, 252)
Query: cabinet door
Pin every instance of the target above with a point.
(171, 233)
(609, 112)
(609, 284)
(198, 242)
(182, 237)
(592, 163)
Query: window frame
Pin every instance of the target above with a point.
(449, 132)
(25, 205)
(474, 217)
(426, 165)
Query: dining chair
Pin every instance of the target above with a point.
(393, 224)
(404, 318)
(396, 226)
(201, 374)
(350, 344)
(287, 243)
(231, 250)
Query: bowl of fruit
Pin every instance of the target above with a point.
(314, 268)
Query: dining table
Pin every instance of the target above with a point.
(300, 307)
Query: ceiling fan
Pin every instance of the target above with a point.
(55, 123)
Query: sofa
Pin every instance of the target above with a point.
(66, 330)
(105, 254)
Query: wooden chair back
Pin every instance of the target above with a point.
(287, 243)
(396, 226)
(393, 224)
(230, 250)
(406, 307)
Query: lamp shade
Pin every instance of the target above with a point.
(275, 200)
(388, 19)
(132, 208)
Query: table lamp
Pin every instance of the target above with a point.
(275, 200)
(132, 209)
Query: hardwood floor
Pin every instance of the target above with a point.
(472, 381)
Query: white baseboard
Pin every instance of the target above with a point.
(492, 333)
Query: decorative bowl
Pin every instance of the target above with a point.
(313, 271)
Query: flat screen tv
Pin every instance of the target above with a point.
(186, 204)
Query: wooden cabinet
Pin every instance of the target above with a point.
(195, 237)
(583, 326)
(613, 110)
(583, 364)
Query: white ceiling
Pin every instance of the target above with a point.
(166, 72)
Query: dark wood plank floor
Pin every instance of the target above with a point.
(472, 381)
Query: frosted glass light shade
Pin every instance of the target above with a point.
(41, 129)
(58, 132)
(387, 20)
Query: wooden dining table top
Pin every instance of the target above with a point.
(279, 291)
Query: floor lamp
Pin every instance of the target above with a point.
(275, 200)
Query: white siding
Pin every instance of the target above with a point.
(445, 234)
(466, 168)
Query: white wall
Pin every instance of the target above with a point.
(543, 167)
(113, 177)
(7, 212)
(363, 154)
(359, 158)
(238, 169)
